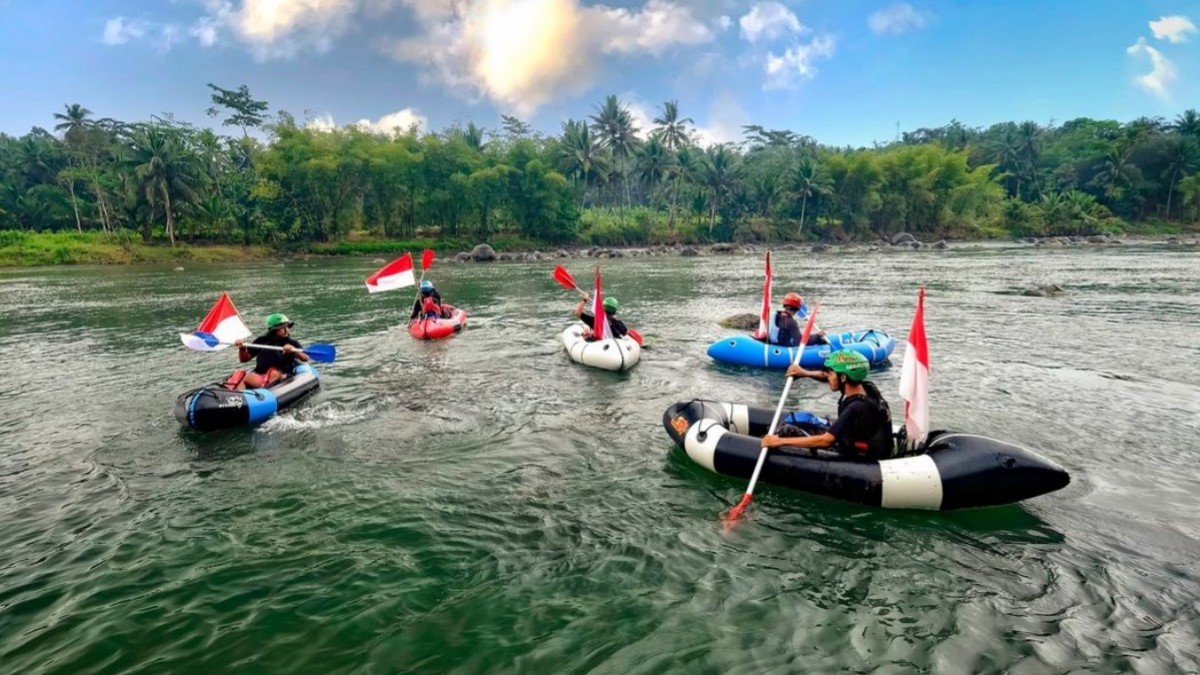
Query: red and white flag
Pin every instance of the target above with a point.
(914, 378)
(601, 329)
(396, 274)
(764, 317)
(220, 328)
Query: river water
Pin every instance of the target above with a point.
(482, 504)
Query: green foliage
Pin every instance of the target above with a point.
(603, 181)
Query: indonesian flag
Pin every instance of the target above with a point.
(601, 331)
(396, 274)
(221, 328)
(764, 317)
(914, 379)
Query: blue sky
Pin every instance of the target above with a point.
(845, 72)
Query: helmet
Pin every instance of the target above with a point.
(278, 321)
(851, 364)
(426, 286)
(611, 304)
(792, 300)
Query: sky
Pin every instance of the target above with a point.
(846, 72)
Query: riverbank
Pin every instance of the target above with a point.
(21, 249)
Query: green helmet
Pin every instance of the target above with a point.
(611, 304)
(278, 320)
(851, 364)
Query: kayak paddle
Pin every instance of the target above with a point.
(564, 279)
(736, 511)
(319, 353)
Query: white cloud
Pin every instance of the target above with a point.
(120, 30)
(391, 123)
(205, 31)
(767, 21)
(725, 120)
(523, 53)
(641, 114)
(1162, 70)
(723, 22)
(400, 121)
(785, 70)
(1173, 29)
(896, 19)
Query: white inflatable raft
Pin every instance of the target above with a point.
(612, 354)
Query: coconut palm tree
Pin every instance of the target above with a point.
(73, 121)
(655, 163)
(719, 170)
(166, 172)
(617, 132)
(1188, 123)
(580, 155)
(1182, 157)
(808, 180)
(675, 135)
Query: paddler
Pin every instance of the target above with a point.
(610, 308)
(863, 427)
(429, 303)
(785, 330)
(271, 366)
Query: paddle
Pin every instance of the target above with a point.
(564, 279)
(736, 511)
(318, 353)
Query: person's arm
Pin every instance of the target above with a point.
(416, 308)
(244, 353)
(825, 440)
(579, 306)
(797, 371)
(293, 348)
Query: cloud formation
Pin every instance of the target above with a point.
(392, 123)
(119, 30)
(769, 21)
(1162, 70)
(1173, 29)
(785, 70)
(897, 19)
(521, 53)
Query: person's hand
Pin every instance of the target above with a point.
(771, 441)
(795, 371)
(288, 349)
(240, 343)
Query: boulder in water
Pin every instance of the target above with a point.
(724, 248)
(1044, 291)
(483, 253)
(941, 245)
(463, 256)
(902, 238)
(740, 322)
(819, 248)
(689, 252)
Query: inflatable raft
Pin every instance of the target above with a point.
(214, 407)
(436, 328)
(612, 354)
(876, 345)
(953, 471)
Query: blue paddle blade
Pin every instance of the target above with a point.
(208, 338)
(321, 353)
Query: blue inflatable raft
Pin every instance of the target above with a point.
(876, 345)
(214, 407)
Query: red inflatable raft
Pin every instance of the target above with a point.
(436, 328)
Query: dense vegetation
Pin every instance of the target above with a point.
(602, 180)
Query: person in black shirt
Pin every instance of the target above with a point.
(270, 366)
(863, 427)
(785, 330)
(429, 303)
(610, 308)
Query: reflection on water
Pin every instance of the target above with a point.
(482, 504)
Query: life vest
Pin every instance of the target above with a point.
(430, 307)
(773, 329)
(879, 443)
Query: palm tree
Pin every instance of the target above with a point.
(675, 134)
(580, 154)
(655, 163)
(614, 126)
(719, 170)
(1188, 123)
(73, 121)
(1182, 157)
(807, 181)
(473, 137)
(163, 168)
(1029, 145)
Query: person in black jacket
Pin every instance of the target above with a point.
(270, 366)
(429, 303)
(610, 309)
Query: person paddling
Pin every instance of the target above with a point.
(610, 308)
(785, 330)
(271, 366)
(863, 427)
(429, 304)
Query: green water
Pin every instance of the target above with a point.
(482, 504)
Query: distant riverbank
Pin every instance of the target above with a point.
(19, 249)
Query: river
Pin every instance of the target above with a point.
(482, 504)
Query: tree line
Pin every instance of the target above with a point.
(602, 179)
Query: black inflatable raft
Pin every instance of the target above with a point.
(214, 407)
(953, 471)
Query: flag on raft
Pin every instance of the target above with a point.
(220, 328)
(601, 331)
(914, 379)
(764, 317)
(396, 274)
